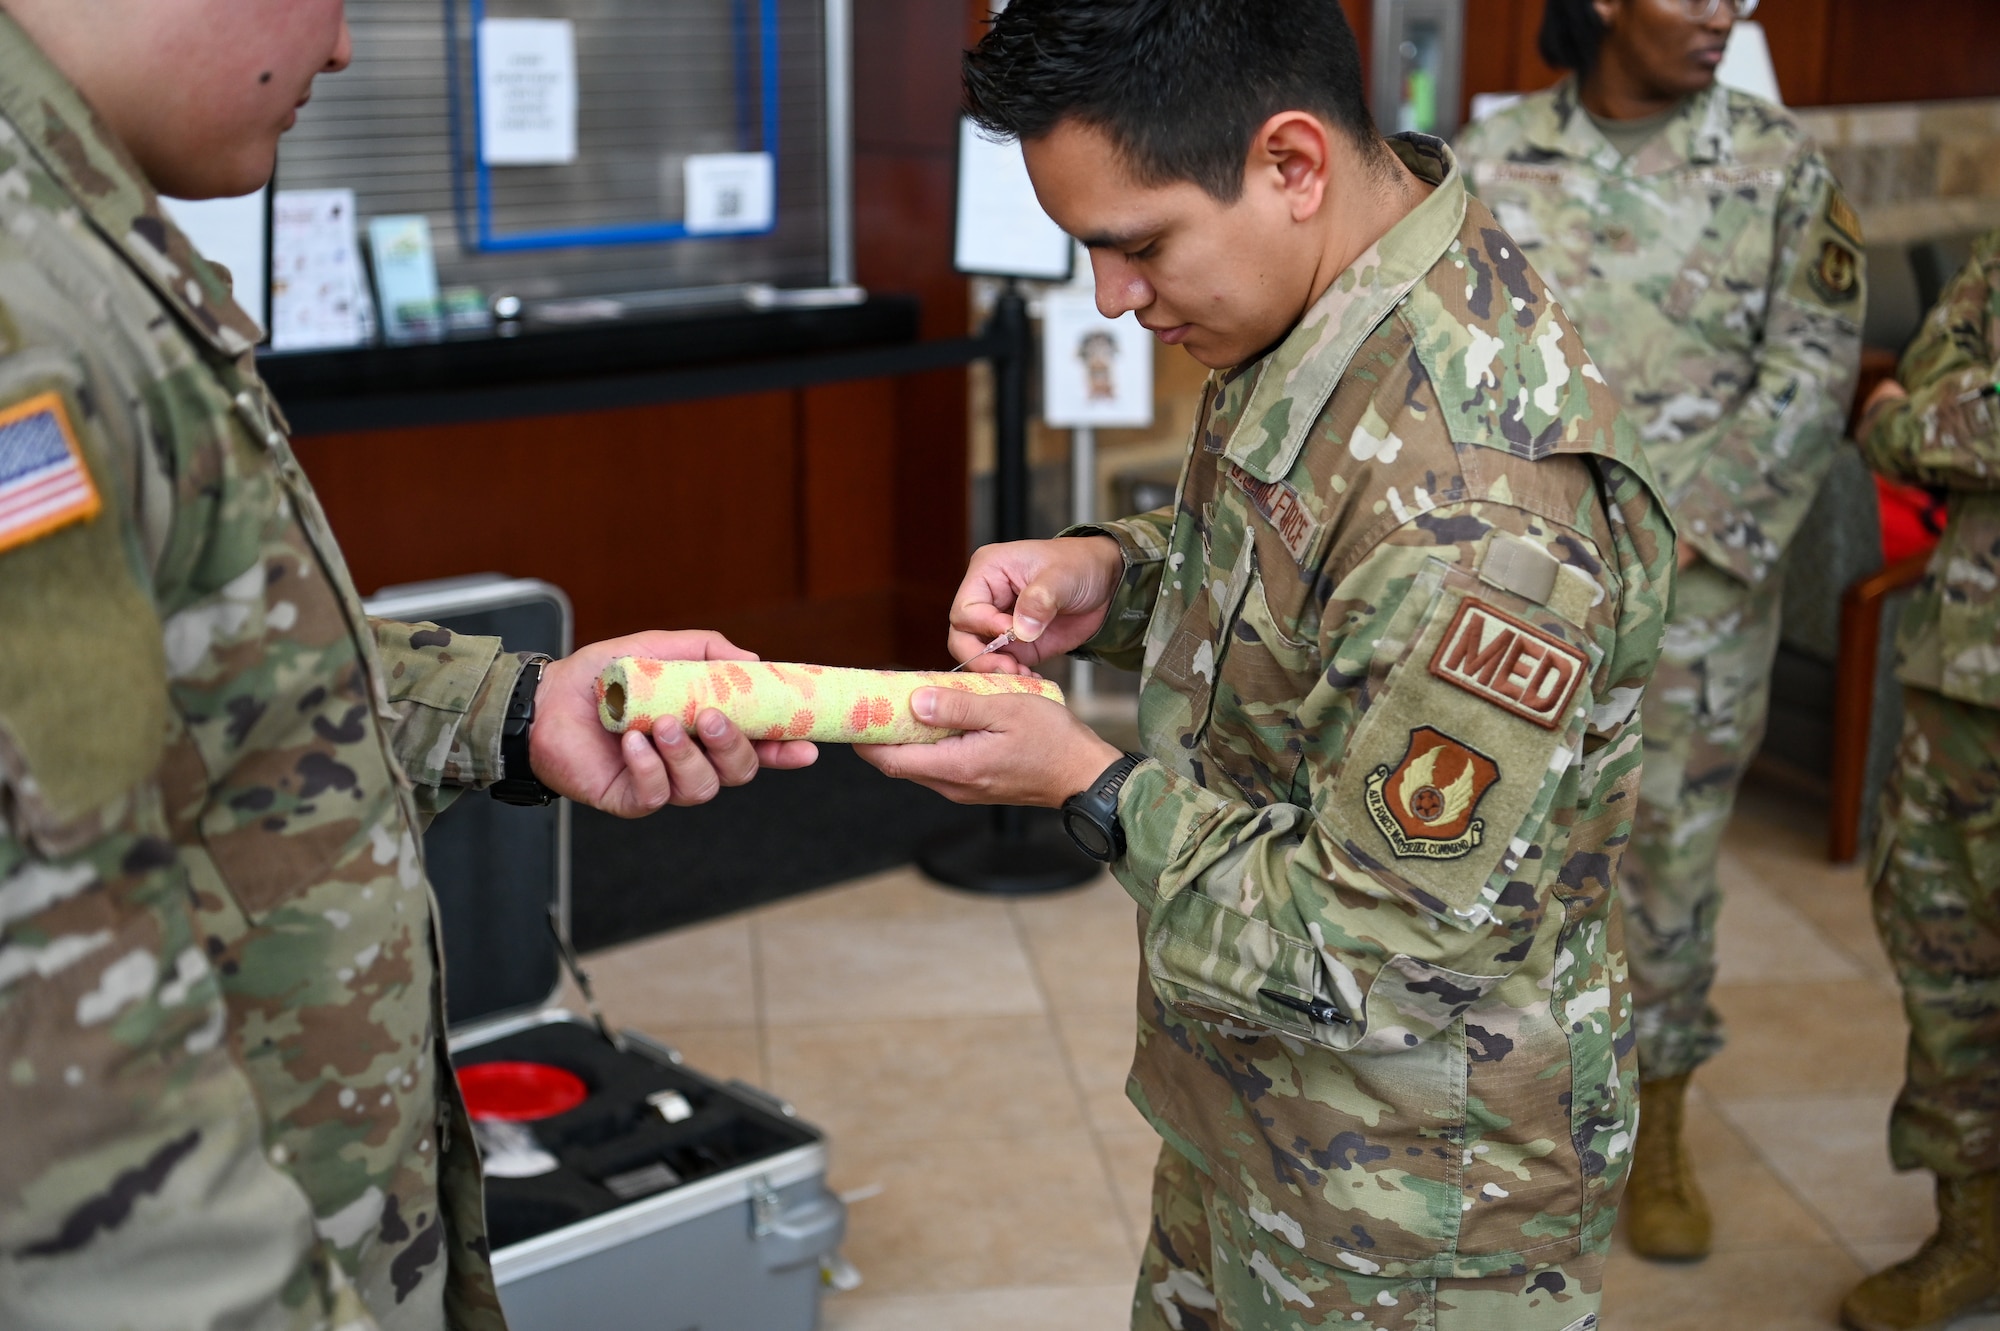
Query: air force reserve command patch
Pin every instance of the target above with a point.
(44, 484)
(1838, 272)
(1426, 804)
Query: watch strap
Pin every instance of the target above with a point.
(518, 783)
(1099, 804)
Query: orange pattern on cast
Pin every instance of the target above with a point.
(772, 700)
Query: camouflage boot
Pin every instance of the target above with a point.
(1956, 1271)
(1666, 1216)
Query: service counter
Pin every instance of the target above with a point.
(795, 478)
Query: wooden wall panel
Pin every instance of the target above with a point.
(1500, 50)
(1530, 71)
(1912, 50)
(908, 95)
(1826, 52)
(1360, 17)
(1491, 35)
(933, 505)
(903, 217)
(848, 452)
(662, 517)
(1797, 32)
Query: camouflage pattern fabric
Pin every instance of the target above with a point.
(1704, 719)
(1947, 435)
(1717, 277)
(1937, 859)
(1209, 1267)
(1937, 906)
(227, 1097)
(1716, 274)
(1393, 636)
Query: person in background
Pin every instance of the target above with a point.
(1936, 862)
(1392, 638)
(227, 1099)
(1715, 271)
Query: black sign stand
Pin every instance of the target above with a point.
(1024, 851)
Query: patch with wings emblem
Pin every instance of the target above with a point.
(1425, 804)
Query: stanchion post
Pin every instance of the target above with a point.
(1024, 851)
(1082, 510)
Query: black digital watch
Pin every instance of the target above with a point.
(518, 783)
(1091, 816)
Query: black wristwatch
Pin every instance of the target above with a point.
(517, 783)
(1091, 816)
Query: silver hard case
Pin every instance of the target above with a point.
(739, 1247)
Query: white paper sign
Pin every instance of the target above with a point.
(527, 91)
(1095, 371)
(1485, 104)
(1746, 63)
(316, 281)
(1002, 230)
(235, 234)
(730, 192)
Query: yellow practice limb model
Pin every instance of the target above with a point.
(768, 700)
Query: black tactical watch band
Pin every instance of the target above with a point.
(1091, 816)
(517, 783)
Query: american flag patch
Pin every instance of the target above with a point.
(43, 482)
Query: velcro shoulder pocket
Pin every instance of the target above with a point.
(83, 696)
(1831, 266)
(1451, 776)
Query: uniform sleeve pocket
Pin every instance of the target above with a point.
(83, 680)
(1208, 960)
(1455, 766)
(1706, 263)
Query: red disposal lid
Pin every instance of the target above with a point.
(520, 1092)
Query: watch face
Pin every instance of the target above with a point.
(1091, 839)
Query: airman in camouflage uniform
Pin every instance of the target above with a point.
(226, 1095)
(1716, 276)
(1937, 858)
(1393, 636)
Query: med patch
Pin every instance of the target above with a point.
(1427, 804)
(44, 484)
(1511, 664)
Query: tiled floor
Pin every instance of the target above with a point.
(967, 1058)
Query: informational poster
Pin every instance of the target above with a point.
(527, 92)
(318, 293)
(1002, 230)
(235, 233)
(730, 192)
(406, 277)
(1095, 371)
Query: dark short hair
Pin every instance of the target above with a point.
(1179, 86)
(1571, 33)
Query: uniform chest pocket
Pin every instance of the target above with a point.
(271, 683)
(1965, 608)
(1267, 665)
(1720, 255)
(1179, 690)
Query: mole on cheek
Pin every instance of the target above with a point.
(265, 77)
